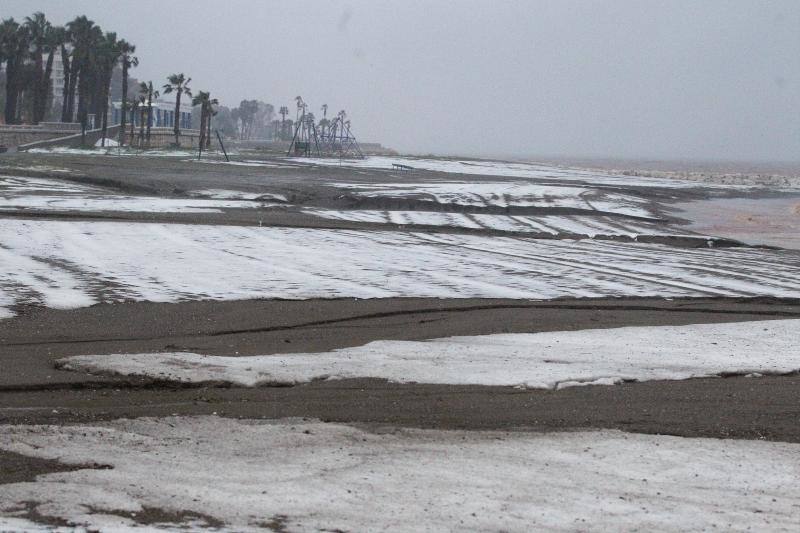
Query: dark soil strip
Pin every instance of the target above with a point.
(32, 342)
(734, 407)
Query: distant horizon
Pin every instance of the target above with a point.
(599, 158)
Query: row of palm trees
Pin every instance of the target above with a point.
(89, 57)
(141, 107)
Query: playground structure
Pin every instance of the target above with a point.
(329, 138)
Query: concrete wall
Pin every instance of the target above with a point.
(15, 135)
(159, 138)
(164, 138)
(72, 140)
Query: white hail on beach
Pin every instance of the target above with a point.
(310, 476)
(72, 264)
(547, 360)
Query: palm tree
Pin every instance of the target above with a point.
(324, 122)
(128, 60)
(211, 112)
(62, 36)
(200, 99)
(39, 33)
(206, 103)
(134, 108)
(108, 54)
(85, 36)
(283, 112)
(146, 90)
(342, 115)
(14, 41)
(55, 37)
(142, 107)
(179, 84)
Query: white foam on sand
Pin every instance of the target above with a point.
(549, 360)
(310, 476)
(118, 261)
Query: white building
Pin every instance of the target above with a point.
(162, 116)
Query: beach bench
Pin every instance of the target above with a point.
(404, 168)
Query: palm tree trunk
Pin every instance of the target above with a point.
(149, 123)
(65, 90)
(10, 111)
(141, 129)
(149, 115)
(124, 110)
(202, 125)
(106, 91)
(177, 121)
(37, 83)
(46, 88)
(208, 129)
(133, 123)
(83, 95)
(70, 97)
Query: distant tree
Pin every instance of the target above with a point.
(283, 112)
(262, 120)
(323, 124)
(206, 103)
(224, 121)
(246, 113)
(179, 84)
(128, 60)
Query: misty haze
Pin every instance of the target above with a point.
(399, 265)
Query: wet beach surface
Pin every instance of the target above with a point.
(113, 318)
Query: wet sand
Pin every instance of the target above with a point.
(33, 391)
(766, 221)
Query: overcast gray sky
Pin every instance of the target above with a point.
(702, 79)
